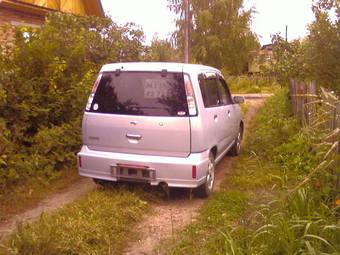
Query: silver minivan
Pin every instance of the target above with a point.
(165, 124)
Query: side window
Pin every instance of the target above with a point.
(212, 92)
(225, 93)
(222, 93)
(209, 90)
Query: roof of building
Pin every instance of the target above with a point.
(267, 47)
(41, 7)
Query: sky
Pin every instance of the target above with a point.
(271, 17)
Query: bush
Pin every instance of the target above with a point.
(44, 83)
(273, 126)
(297, 154)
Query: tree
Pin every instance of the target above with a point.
(323, 52)
(316, 57)
(220, 33)
(161, 51)
(288, 60)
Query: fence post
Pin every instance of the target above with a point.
(310, 110)
(292, 92)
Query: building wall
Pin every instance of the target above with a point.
(32, 13)
(16, 18)
(258, 59)
(9, 19)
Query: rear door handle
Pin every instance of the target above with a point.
(229, 114)
(131, 136)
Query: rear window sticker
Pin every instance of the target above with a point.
(95, 107)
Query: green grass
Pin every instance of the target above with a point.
(99, 223)
(245, 107)
(203, 237)
(254, 213)
(251, 84)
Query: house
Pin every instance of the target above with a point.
(260, 58)
(33, 12)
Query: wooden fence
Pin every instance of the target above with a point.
(319, 113)
(312, 110)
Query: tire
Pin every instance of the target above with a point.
(236, 148)
(207, 187)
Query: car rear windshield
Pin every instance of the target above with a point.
(141, 93)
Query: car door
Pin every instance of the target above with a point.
(216, 111)
(230, 111)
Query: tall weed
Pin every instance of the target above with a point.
(273, 126)
(278, 219)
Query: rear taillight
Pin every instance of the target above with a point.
(190, 96)
(94, 88)
(193, 172)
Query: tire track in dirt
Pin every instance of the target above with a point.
(168, 217)
(49, 204)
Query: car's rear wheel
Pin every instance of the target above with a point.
(236, 149)
(207, 187)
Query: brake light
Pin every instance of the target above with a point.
(93, 91)
(190, 96)
(193, 172)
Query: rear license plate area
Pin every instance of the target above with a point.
(133, 173)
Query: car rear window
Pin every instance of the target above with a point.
(141, 93)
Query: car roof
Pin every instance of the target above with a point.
(156, 66)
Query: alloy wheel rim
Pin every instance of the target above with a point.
(210, 175)
(238, 142)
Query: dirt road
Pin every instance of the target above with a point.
(47, 205)
(169, 217)
(166, 218)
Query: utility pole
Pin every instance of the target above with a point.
(286, 33)
(186, 31)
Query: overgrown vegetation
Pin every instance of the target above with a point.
(259, 211)
(45, 80)
(314, 58)
(99, 223)
(251, 84)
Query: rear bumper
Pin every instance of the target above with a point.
(175, 171)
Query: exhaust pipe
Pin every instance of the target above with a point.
(164, 186)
